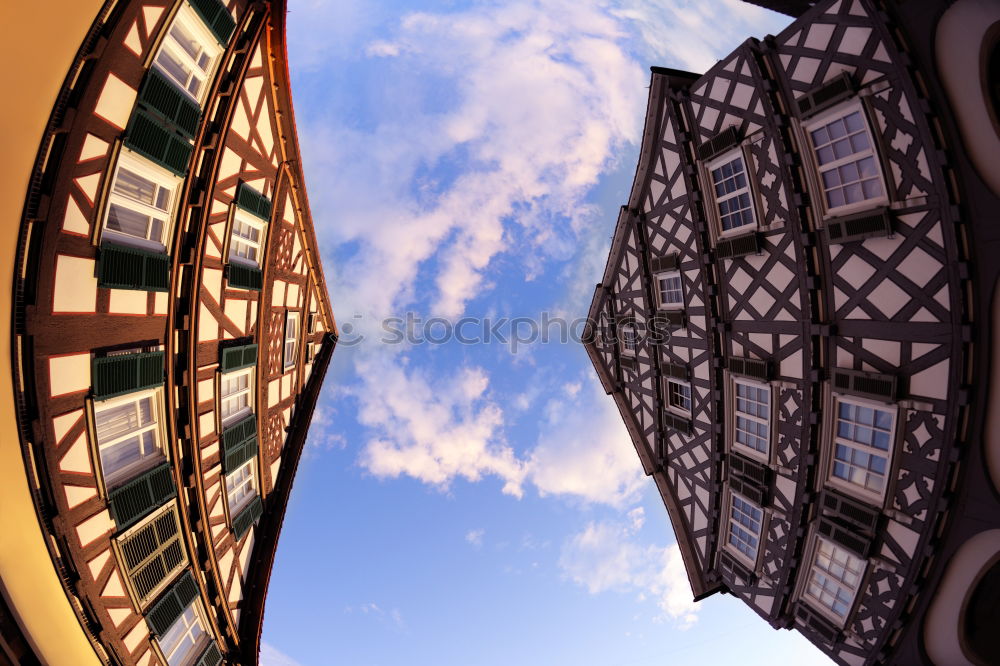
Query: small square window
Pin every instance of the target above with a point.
(629, 339)
(846, 161)
(834, 579)
(679, 396)
(752, 416)
(130, 435)
(744, 529)
(863, 435)
(189, 54)
(668, 289)
(241, 486)
(733, 196)
(186, 638)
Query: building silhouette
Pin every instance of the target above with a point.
(796, 323)
(170, 330)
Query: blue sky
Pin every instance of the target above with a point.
(473, 504)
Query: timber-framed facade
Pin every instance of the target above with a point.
(171, 332)
(813, 223)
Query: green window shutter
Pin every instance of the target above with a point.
(865, 384)
(859, 227)
(677, 371)
(146, 135)
(210, 657)
(239, 443)
(845, 536)
(153, 553)
(118, 375)
(135, 499)
(253, 201)
(174, 601)
(236, 358)
(756, 494)
(850, 511)
(721, 142)
(120, 267)
(163, 99)
(825, 95)
(735, 569)
(730, 248)
(247, 517)
(822, 627)
(244, 277)
(750, 367)
(667, 263)
(675, 422)
(216, 17)
(750, 470)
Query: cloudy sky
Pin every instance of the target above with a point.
(481, 503)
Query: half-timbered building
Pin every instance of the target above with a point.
(795, 322)
(171, 330)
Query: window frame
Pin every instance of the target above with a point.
(830, 440)
(668, 396)
(666, 275)
(159, 176)
(750, 187)
(623, 344)
(245, 217)
(825, 117)
(804, 596)
(241, 503)
(731, 495)
(121, 476)
(197, 647)
(732, 414)
(187, 19)
(250, 373)
(288, 360)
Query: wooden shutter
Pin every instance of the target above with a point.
(817, 623)
(247, 517)
(865, 384)
(117, 375)
(174, 601)
(749, 470)
(825, 95)
(667, 263)
(750, 367)
(849, 511)
(676, 371)
(216, 17)
(138, 497)
(667, 319)
(675, 422)
(253, 201)
(734, 568)
(859, 227)
(720, 143)
(147, 135)
(728, 248)
(627, 362)
(244, 277)
(121, 267)
(161, 98)
(239, 443)
(844, 536)
(236, 358)
(755, 493)
(153, 553)
(210, 657)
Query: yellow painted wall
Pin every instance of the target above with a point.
(38, 41)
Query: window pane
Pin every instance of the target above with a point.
(128, 222)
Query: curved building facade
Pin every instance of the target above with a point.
(170, 332)
(796, 322)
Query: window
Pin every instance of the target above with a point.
(291, 337)
(668, 289)
(834, 578)
(630, 339)
(247, 238)
(241, 486)
(679, 396)
(236, 395)
(140, 203)
(186, 637)
(129, 435)
(733, 198)
(188, 54)
(862, 445)
(752, 416)
(152, 552)
(846, 160)
(745, 520)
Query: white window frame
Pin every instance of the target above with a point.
(731, 522)
(161, 178)
(850, 487)
(815, 572)
(121, 475)
(735, 414)
(241, 216)
(667, 275)
(238, 496)
(233, 376)
(668, 394)
(627, 349)
(186, 626)
(188, 20)
(293, 340)
(717, 200)
(825, 118)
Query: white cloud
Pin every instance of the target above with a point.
(475, 537)
(271, 656)
(607, 556)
